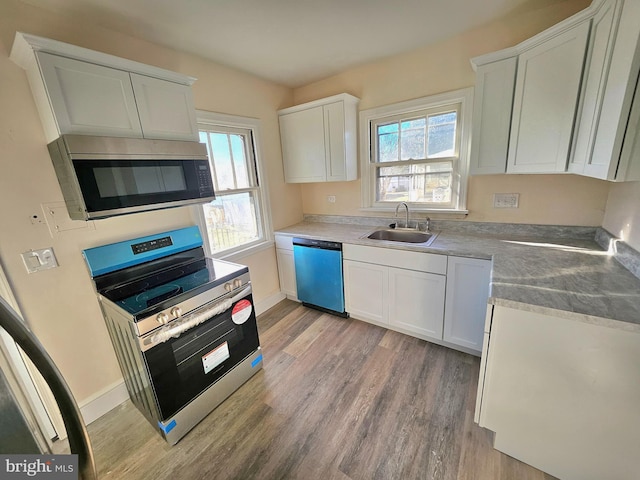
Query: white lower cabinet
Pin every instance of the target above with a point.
(416, 301)
(466, 303)
(562, 395)
(366, 291)
(286, 266)
(431, 297)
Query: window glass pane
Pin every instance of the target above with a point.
(221, 159)
(240, 162)
(390, 128)
(413, 137)
(442, 135)
(428, 183)
(231, 221)
(388, 143)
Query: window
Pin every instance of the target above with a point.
(417, 152)
(236, 219)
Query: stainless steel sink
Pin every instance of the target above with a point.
(403, 235)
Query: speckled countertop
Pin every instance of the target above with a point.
(563, 277)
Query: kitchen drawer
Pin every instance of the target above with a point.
(419, 261)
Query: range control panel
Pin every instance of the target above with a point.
(139, 248)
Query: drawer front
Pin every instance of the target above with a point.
(419, 261)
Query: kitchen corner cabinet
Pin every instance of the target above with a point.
(466, 302)
(319, 140)
(78, 91)
(545, 100)
(607, 123)
(572, 108)
(561, 395)
(286, 266)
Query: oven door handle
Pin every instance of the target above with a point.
(178, 327)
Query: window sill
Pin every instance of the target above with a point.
(237, 255)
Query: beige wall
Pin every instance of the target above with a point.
(60, 304)
(544, 199)
(622, 216)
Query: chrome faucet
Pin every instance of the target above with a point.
(407, 208)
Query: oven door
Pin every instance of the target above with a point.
(183, 366)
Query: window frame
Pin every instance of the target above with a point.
(210, 120)
(463, 98)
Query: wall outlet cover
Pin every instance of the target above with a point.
(38, 260)
(506, 200)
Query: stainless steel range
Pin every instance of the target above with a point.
(183, 325)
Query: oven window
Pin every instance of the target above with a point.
(120, 181)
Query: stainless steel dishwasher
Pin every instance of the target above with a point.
(319, 274)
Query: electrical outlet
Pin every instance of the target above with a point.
(331, 198)
(506, 200)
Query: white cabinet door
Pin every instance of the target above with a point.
(546, 94)
(601, 42)
(303, 153)
(89, 99)
(366, 290)
(165, 108)
(492, 106)
(334, 141)
(466, 302)
(287, 273)
(416, 302)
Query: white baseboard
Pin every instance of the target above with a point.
(266, 303)
(103, 401)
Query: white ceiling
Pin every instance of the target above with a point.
(291, 42)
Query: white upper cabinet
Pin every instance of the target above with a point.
(492, 105)
(165, 108)
(545, 100)
(319, 140)
(607, 127)
(80, 91)
(89, 99)
(572, 99)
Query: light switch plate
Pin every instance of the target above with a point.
(506, 200)
(38, 260)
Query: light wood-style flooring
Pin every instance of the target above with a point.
(338, 399)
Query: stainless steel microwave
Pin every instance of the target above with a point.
(106, 176)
